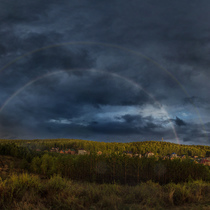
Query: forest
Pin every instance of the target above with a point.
(113, 165)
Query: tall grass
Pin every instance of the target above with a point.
(27, 191)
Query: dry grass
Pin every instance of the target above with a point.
(26, 191)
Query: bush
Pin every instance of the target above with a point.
(56, 182)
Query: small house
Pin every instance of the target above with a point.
(173, 155)
(204, 161)
(128, 153)
(54, 149)
(149, 154)
(82, 152)
(72, 152)
(137, 155)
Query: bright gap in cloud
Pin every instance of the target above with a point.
(108, 113)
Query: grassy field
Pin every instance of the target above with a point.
(29, 191)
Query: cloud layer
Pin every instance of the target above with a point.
(129, 71)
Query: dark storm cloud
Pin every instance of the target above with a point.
(66, 94)
(175, 34)
(179, 122)
(197, 101)
(131, 118)
(195, 133)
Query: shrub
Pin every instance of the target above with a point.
(56, 182)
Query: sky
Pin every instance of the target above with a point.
(108, 70)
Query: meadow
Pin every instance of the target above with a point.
(28, 191)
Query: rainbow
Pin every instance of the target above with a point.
(95, 71)
(105, 45)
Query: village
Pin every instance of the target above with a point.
(81, 151)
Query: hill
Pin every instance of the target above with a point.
(157, 147)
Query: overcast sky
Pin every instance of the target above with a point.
(108, 70)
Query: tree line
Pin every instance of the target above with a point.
(114, 167)
(157, 147)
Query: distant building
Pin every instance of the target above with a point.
(183, 156)
(149, 154)
(128, 153)
(137, 155)
(82, 152)
(204, 161)
(173, 155)
(54, 149)
(99, 153)
(72, 152)
(166, 157)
